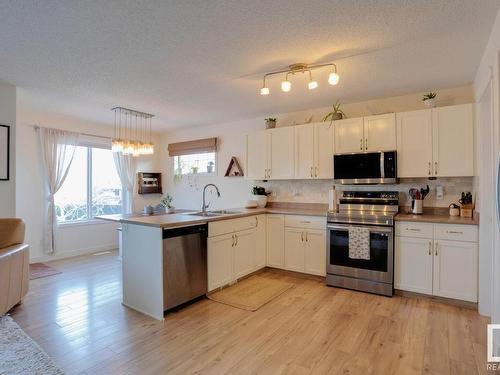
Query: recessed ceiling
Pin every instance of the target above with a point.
(201, 62)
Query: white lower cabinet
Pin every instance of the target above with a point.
(437, 265)
(305, 248)
(220, 261)
(244, 253)
(275, 241)
(260, 242)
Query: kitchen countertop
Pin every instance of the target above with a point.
(184, 218)
(436, 215)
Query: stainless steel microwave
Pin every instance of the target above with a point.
(365, 168)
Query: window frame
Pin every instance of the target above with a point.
(90, 220)
(202, 174)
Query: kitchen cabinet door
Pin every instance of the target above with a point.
(348, 135)
(453, 140)
(275, 234)
(413, 264)
(455, 270)
(315, 252)
(282, 158)
(294, 249)
(380, 132)
(257, 155)
(244, 253)
(414, 146)
(304, 151)
(220, 261)
(260, 242)
(323, 150)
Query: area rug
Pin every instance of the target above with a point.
(39, 270)
(19, 354)
(251, 293)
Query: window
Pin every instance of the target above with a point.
(195, 163)
(92, 187)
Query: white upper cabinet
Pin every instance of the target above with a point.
(349, 135)
(314, 150)
(323, 149)
(304, 151)
(380, 132)
(282, 160)
(453, 140)
(257, 154)
(414, 146)
(436, 142)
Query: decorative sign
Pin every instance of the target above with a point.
(4, 152)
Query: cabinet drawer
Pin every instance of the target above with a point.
(411, 229)
(244, 223)
(305, 222)
(217, 228)
(455, 232)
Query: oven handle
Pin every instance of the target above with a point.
(372, 229)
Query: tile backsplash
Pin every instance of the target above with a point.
(316, 191)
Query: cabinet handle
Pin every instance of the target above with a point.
(366, 143)
(454, 232)
(236, 237)
(311, 171)
(430, 247)
(232, 245)
(316, 172)
(269, 173)
(256, 222)
(302, 236)
(435, 167)
(361, 144)
(430, 168)
(305, 222)
(436, 249)
(413, 229)
(306, 237)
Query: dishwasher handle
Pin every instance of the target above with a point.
(185, 231)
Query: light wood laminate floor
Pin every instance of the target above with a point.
(310, 329)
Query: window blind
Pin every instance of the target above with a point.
(192, 147)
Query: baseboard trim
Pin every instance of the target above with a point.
(448, 301)
(73, 253)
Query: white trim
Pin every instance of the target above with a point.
(70, 224)
(74, 253)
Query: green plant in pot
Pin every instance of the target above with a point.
(270, 122)
(430, 99)
(210, 167)
(260, 195)
(166, 202)
(336, 113)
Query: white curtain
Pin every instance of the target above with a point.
(125, 166)
(57, 150)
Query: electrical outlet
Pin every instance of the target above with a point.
(439, 192)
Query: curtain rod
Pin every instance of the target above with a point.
(84, 134)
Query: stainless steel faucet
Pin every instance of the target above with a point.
(204, 206)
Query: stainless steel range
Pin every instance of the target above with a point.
(375, 211)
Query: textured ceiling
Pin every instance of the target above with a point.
(201, 62)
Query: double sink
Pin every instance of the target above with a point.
(214, 213)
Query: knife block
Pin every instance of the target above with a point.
(467, 210)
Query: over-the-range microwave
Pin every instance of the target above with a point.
(365, 168)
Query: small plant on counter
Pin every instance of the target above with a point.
(270, 122)
(430, 99)
(431, 95)
(166, 201)
(336, 114)
(259, 190)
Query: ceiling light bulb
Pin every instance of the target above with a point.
(312, 85)
(333, 79)
(264, 91)
(286, 86)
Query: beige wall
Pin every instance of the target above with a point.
(236, 190)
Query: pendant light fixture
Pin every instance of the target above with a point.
(286, 85)
(132, 132)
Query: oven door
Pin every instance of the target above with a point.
(378, 268)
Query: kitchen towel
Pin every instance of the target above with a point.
(359, 243)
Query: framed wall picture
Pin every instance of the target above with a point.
(4, 152)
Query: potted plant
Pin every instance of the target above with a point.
(166, 202)
(194, 169)
(336, 114)
(270, 123)
(260, 195)
(430, 99)
(210, 167)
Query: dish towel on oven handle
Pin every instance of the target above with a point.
(359, 243)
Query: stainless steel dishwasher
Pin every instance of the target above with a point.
(184, 264)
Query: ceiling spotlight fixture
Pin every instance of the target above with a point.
(132, 134)
(286, 85)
